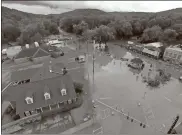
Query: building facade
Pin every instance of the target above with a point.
(173, 54)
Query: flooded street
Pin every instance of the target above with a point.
(122, 87)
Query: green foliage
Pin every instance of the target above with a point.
(169, 35)
(78, 87)
(80, 28)
(152, 34)
(10, 32)
(151, 27)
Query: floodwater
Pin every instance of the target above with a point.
(115, 84)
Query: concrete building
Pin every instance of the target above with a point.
(173, 54)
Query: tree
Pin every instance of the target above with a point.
(53, 29)
(36, 38)
(151, 34)
(80, 28)
(121, 28)
(169, 35)
(137, 28)
(10, 32)
(178, 29)
(103, 34)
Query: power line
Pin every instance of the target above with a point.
(129, 117)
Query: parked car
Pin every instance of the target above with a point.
(80, 59)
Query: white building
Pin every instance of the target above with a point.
(173, 54)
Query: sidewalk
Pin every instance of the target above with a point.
(79, 127)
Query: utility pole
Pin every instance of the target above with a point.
(173, 125)
(93, 60)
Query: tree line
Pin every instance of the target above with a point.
(146, 29)
(31, 33)
(27, 28)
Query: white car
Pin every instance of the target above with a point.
(180, 78)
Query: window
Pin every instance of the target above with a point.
(47, 96)
(15, 83)
(29, 100)
(63, 92)
(38, 110)
(27, 113)
(69, 101)
(21, 82)
(179, 57)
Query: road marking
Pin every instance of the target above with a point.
(146, 120)
(167, 99)
(105, 98)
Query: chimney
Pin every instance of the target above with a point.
(27, 46)
(36, 44)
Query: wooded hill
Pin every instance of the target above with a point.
(165, 26)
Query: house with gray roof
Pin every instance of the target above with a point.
(35, 54)
(39, 91)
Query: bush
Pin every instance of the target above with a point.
(78, 87)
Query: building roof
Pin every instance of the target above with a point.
(37, 89)
(23, 74)
(155, 44)
(175, 48)
(38, 73)
(137, 60)
(32, 52)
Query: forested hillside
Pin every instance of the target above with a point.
(103, 26)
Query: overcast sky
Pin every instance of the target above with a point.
(56, 7)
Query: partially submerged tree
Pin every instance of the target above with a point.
(78, 87)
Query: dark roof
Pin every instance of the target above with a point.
(38, 73)
(137, 60)
(27, 53)
(38, 88)
(23, 74)
(40, 53)
(32, 52)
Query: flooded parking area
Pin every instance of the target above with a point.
(121, 86)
